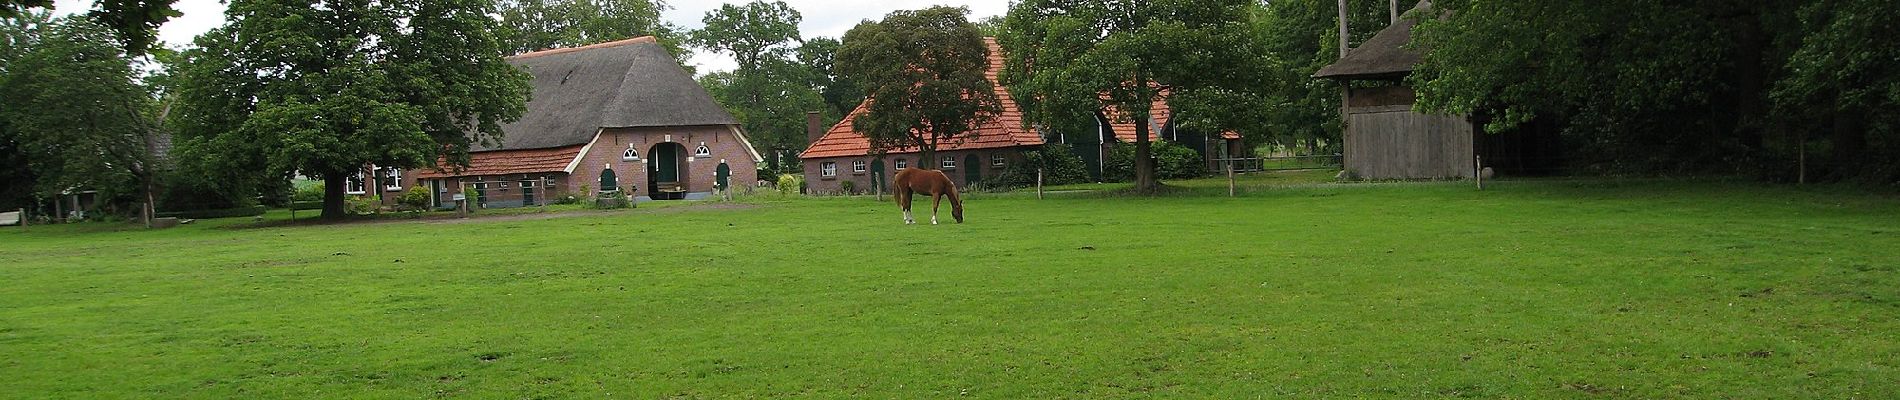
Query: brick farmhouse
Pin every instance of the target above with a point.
(841, 156)
(618, 117)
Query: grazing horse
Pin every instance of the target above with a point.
(930, 182)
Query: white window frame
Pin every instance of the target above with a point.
(631, 154)
(900, 165)
(949, 162)
(858, 166)
(394, 175)
(998, 161)
(828, 169)
(355, 184)
(702, 151)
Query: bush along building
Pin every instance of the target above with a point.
(841, 160)
(616, 118)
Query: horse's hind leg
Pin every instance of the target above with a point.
(903, 201)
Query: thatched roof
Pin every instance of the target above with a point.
(629, 83)
(1384, 56)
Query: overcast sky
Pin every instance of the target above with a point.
(822, 18)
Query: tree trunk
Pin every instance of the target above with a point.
(924, 155)
(1145, 181)
(333, 187)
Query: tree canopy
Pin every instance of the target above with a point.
(1070, 60)
(530, 25)
(770, 91)
(925, 75)
(136, 22)
(328, 88)
(74, 117)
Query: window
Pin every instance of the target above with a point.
(997, 161)
(392, 179)
(702, 150)
(901, 164)
(354, 185)
(828, 169)
(949, 162)
(858, 166)
(630, 155)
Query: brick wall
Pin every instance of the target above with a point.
(608, 149)
(861, 182)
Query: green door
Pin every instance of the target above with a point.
(972, 169)
(666, 160)
(527, 193)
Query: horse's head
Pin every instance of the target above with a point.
(956, 211)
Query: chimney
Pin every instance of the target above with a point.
(814, 128)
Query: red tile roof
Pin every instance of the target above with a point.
(1006, 130)
(503, 162)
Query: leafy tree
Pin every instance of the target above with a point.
(1842, 78)
(925, 73)
(820, 55)
(1070, 59)
(769, 92)
(530, 25)
(326, 88)
(74, 114)
(135, 21)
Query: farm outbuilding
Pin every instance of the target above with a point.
(1387, 137)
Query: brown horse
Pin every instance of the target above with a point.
(930, 182)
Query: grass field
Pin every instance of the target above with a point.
(1533, 289)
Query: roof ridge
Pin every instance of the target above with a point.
(616, 43)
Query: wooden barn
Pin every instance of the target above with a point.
(1386, 137)
(617, 118)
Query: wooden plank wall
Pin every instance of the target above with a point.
(1394, 142)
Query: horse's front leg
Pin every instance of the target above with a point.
(936, 202)
(903, 200)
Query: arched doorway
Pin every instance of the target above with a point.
(667, 174)
(972, 169)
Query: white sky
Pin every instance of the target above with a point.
(830, 18)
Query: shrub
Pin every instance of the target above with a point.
(416, 199)
(791, 184)
(362, 204)
(848, 187)
(1172, 161)
(1059, 164)
(308, 193)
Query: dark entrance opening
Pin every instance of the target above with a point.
(667, 172)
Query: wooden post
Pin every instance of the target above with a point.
(1038, 183)
(1230, 177)
(23, 219)
(1801, 148)
(1395, 12)
(1477, 170)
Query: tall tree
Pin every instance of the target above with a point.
(1071, 59)
(326, 88)
(76, 115)
(530, 25)
(769, 92)
(925, 73)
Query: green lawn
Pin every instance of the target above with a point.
(1533, 289)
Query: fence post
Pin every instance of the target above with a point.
(1478, 171)
(1038, 183)
(1230, 178)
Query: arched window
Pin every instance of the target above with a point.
(702, 150)
(630, 155)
